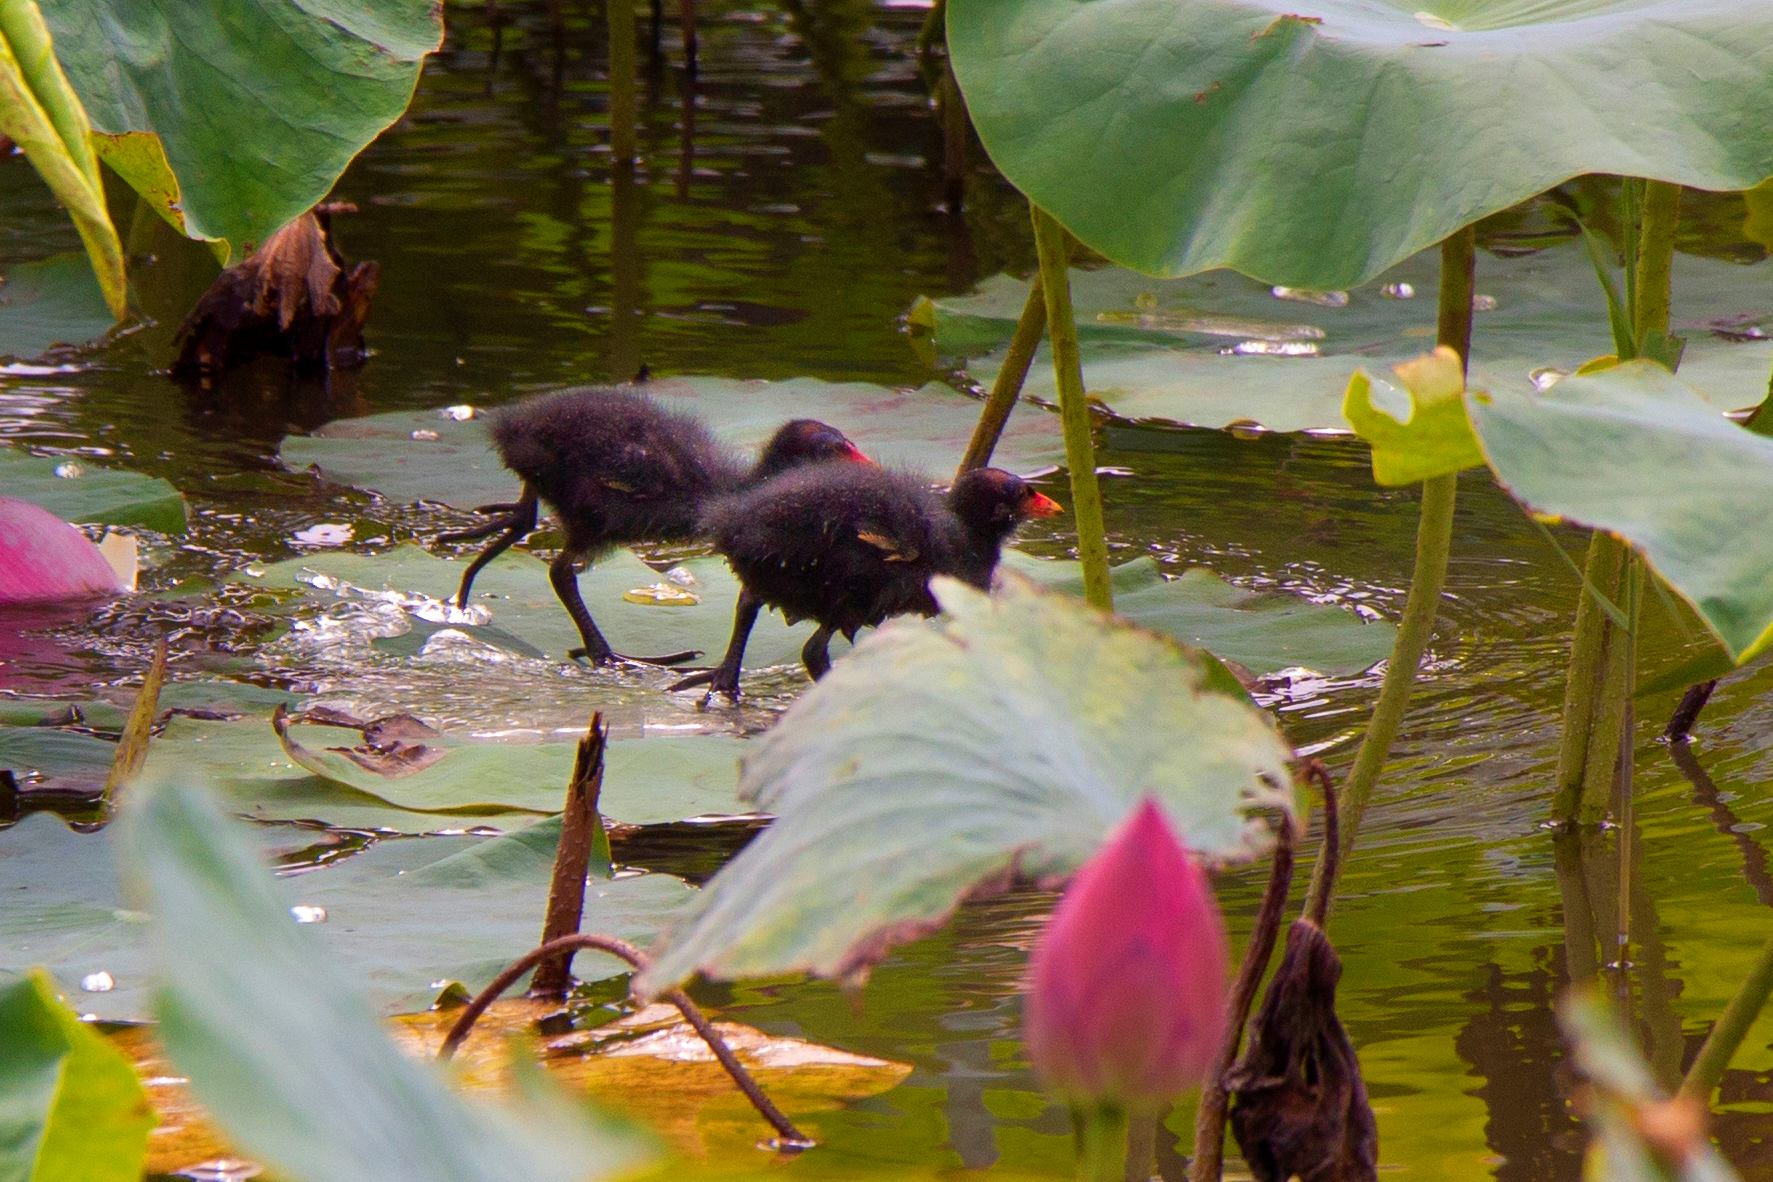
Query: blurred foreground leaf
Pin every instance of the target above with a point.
(940, 759)
(286, 1055)
(71, 1109)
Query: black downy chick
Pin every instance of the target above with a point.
(617, 468)
(848, 546)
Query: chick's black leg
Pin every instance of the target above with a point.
(565, 577)
(517, 525)
(814, 655)
(724, 677)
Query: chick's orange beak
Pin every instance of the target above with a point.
(1040, 505)
(855, 455)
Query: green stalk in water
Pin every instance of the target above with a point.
(1100, 1135)
(622, 55)
(1721, 1044)
(1434, 540)
(1030, 326)
(1597, 683)
(1074, 413)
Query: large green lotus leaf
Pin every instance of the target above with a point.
(526, 616)
(399, 916)
(71, 1107)
(1319, 149)
(1549, 313)
(1008, 737)
(106, 496)
(258, 1011)
(1263, 631)
(1636, 451)
(257, 105)
(55, 301)
(646, 781)
(926, 429)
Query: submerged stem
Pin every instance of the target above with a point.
(1074, 413)
(1008, 385)
(792, 1138)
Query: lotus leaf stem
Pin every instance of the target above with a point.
(791, 1137)
(1007, 387)
(622, 68)
(1209, 1116)
(1598, 679)
(1655, 262)
(1100, 1135)
(1610, 736)
(1732, 1027)
(1074, 413)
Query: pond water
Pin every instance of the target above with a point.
(786, 233)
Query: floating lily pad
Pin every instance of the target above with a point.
(1263, 631)
(256, 1008)
(1007, 739)
(400, 915)
(926, 429)
(1549, 312)
(525, 616)
(108, 496)
(646, 781)
(1318, 146)
(231, 128)
(53, 302)
(1637, 451)
(652, 1066)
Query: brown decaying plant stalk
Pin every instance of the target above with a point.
(791, 1137)
(1209, 1117)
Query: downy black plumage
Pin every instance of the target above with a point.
(617, 468)
(848, 547)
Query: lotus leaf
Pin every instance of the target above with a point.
(254, 1009)
(55, 301)
(926, 429)
(232, 123)
(1263, 631)
(399, 916)
(646, 781)
(70, 1105)
(1006, 740)
(525, 615)
(106, 496)
(1317, 147)
(1549, 312)
(1635, 450)
(1433, 439)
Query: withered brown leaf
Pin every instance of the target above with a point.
(292, 297)
(1300, 1107)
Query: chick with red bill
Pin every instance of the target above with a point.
(617, 468)
(847, 547)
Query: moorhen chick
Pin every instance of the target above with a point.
(616, 468)
(848, 546)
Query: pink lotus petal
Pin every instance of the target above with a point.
(1126, 988)
(44, 559)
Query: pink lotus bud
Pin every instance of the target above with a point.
(1126, 988)
(43, 558)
